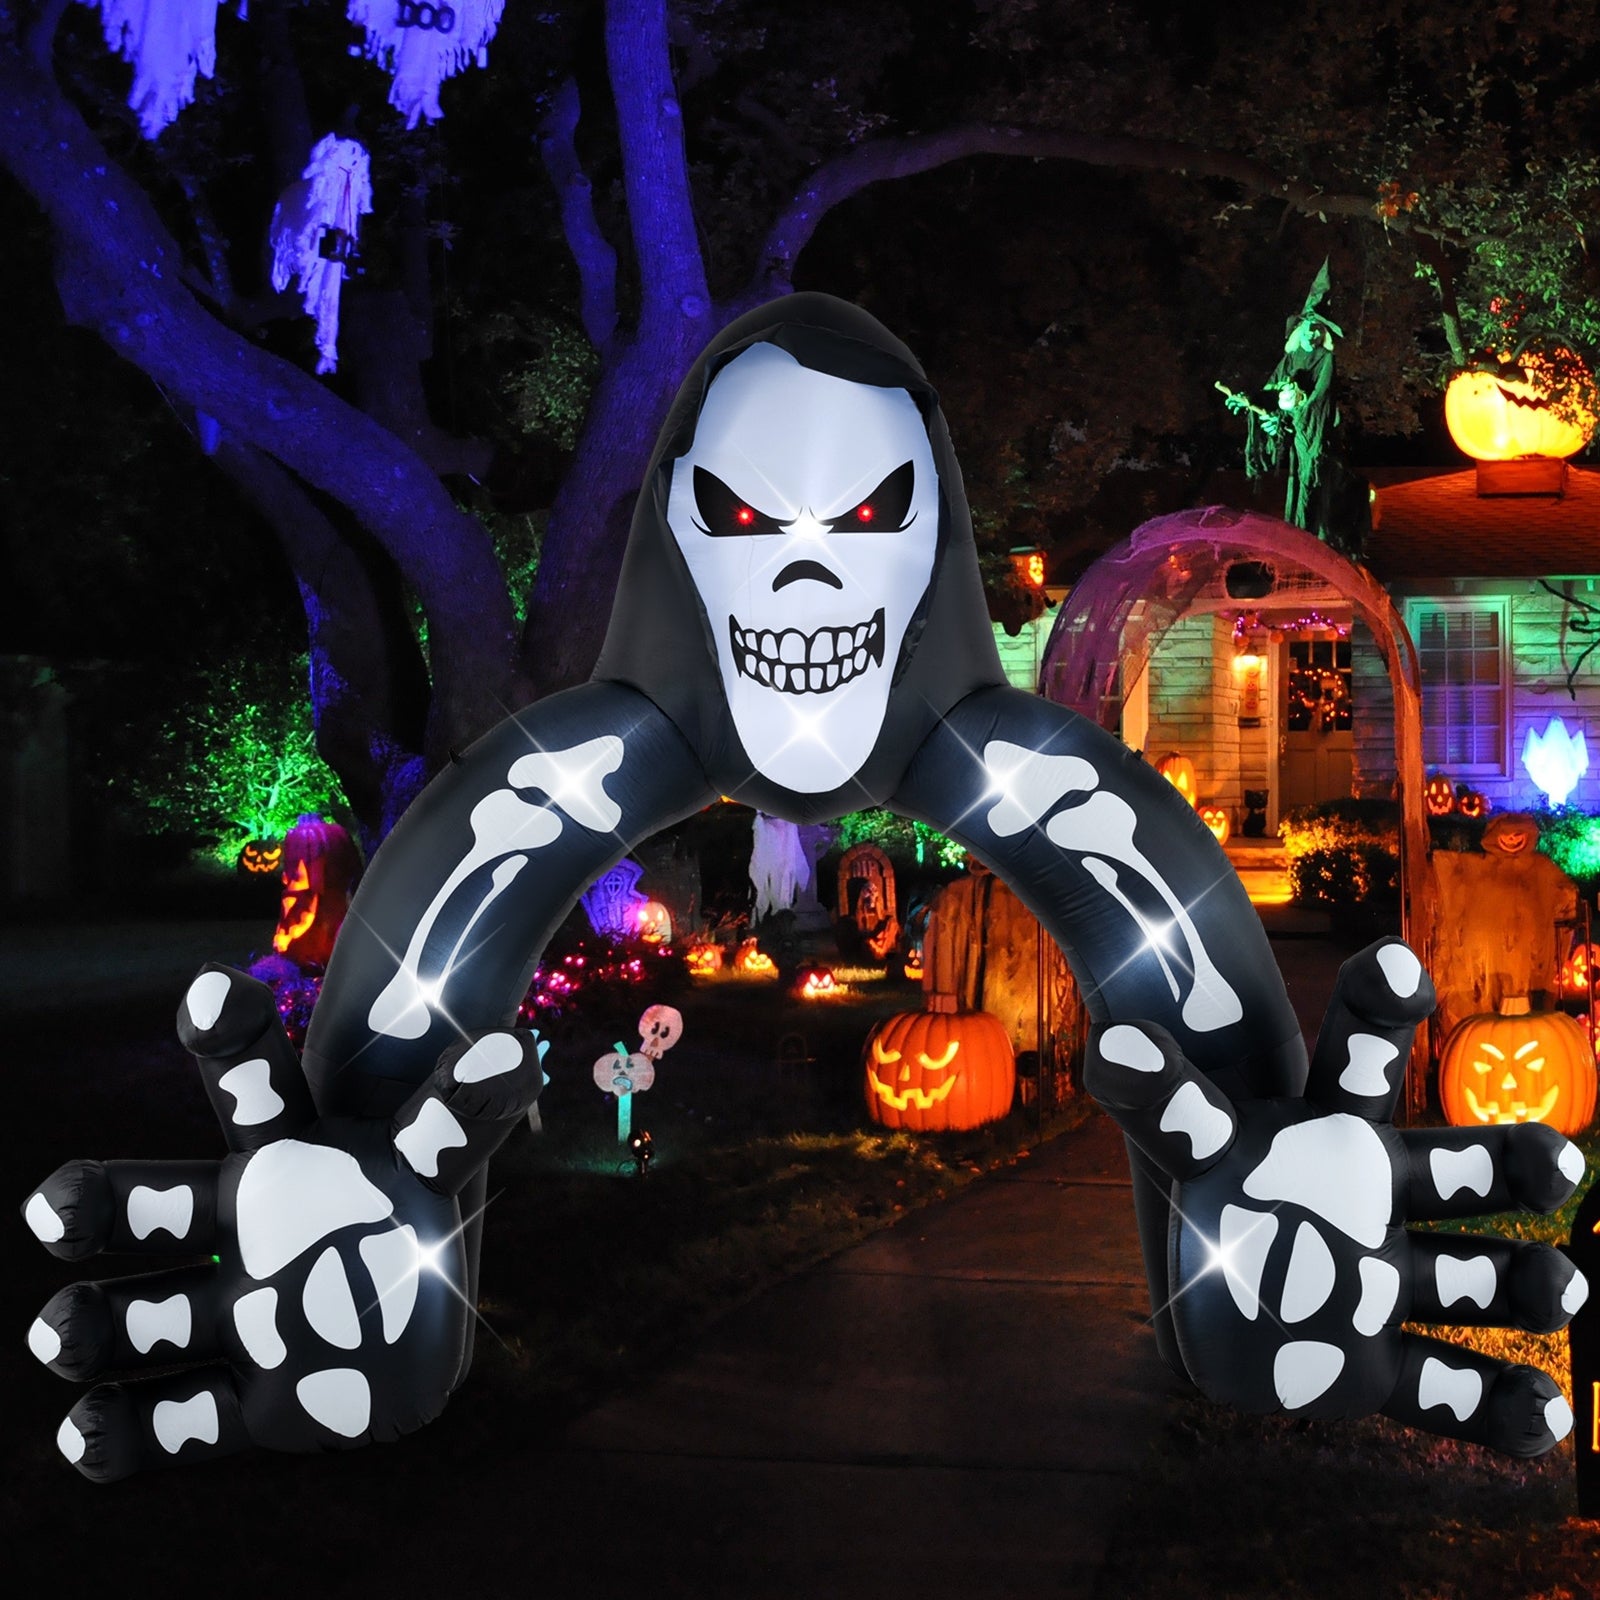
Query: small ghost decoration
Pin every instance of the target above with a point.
(169, 43)
(314, 231)
(423, 42)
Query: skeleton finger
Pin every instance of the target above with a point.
(1180, 1119)
(142, 1207)
(1483, 1281)
(1450, 1390)
(229, 1022)
(451, 1126)
(155, 1320)
(1359, 1065)
(1470, 1172)
(118, 1429)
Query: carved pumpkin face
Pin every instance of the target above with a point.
(929, 1071)
(1179, 772)
(913, 964)
(1512, 833)
(1471, 804)
(753, 959)
(320, 868)
(704, 959)
(1582, 966)
(1521, 1068)
(653, 922)
(1502, 418)
(816, 983)
(1440, 795)
(261, 857)
(1216, 819)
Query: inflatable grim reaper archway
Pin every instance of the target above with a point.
(799, 623)
(1119, 608)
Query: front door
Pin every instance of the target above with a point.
(1316, 747)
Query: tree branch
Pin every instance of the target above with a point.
(591, 250)
(877, 160)
(674, 296)
(119, 273)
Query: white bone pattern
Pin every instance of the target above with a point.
(503, 827)
(1366, 1072)
(150, 1321)
(329, 1306)
(1029, 784)
(1246, 1239)
(1189, 1112)
(151, 1209)
(424, 1140)
(1472, 1278)
(1455, 1170)
(255, 1100)
(176, 1422)
(255, 1319)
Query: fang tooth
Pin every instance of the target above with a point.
(792, 647)
(861, 660)
(822, 646)
(833, 673)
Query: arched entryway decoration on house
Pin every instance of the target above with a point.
(1134, 593)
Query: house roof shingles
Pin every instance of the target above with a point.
(1435, 525)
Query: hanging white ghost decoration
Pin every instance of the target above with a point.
(169, 43)
(423, 42)
(314, 232)
(779, 866)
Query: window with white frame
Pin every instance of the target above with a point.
(1462, 650)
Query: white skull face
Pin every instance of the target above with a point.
(808, 511)
(660, 1028)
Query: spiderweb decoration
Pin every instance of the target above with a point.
(169, 43)
(314, 233)
(1583, 621)
(420, 43)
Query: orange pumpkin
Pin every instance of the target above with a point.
(816, 983)
(1518, 1067)
(931, 1071)
(652, 922)
(1579, 968)
(1178, 770)
(752, 958)
(1512, 833)
(1216, 819)
(1440, 797)
(703, 959)
(913, 963)
(1470, 803)
(320, 868)
(1499, 417)
(260, 857)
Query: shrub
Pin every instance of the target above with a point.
(1349, 824)
(1345, 874)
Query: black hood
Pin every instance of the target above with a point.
(660, 640)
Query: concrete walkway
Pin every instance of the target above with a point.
(955, 1407)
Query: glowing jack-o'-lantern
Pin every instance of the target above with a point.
(652, 922)
(1503, 418)
(1512, 833)
(260, 857)
(1580, 968)
(1178, 770)
(1440, 797)
(320, 868)
(817, 983)
(929, 1071)
(703, 959)
(1471, 804)
(755, 960)
(1217, 820)
(913, 963)
(1517, 1067)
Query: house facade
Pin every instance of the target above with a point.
(1285, 697)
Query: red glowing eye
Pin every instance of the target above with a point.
(864, 513)
(744, 516)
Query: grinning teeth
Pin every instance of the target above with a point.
(797, 663)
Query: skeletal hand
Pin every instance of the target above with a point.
(333, 1311)
(1291, 1268)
